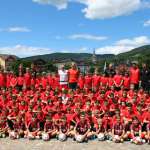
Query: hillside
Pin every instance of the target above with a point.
(141, 53)
(63, 56)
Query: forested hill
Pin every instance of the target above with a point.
(141, 53)
(63, 56)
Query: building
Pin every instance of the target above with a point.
(6, 61)
(82, 65)
(94, 58)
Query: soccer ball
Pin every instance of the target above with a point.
(62, 137)
(137, 140)
(13, 135)
(117, 139)
(31, 137)
(79, 138)
(45, 136)
(101, 137)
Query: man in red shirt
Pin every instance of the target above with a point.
(135, 75)
(73, 75)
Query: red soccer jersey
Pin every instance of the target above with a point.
(134, 75)
(126, 82)
(2, 80)
(20, 80)
(88, 81)
(73, 75)
(118, 80)
(81, 82)
(27, 79)
(96, 80)
(13, 82)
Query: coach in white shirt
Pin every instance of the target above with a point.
(63, 77)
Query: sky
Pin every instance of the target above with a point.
(36, 27)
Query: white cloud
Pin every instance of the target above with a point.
(147, 23)
(101, 9)
(16, 29)
(124, 45)
(24, 51)
(87, 37)
(60, 4)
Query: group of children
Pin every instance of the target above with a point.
(103, 108)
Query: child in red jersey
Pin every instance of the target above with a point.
(110, 80)
(88, 81)
(81, 81)
(33, 128)
(126, 81)
(118, 131)
(27, 79)
(13, 81)
(104, 80)
(20, 80)
(118, 80)
(82, 129)
(18, 128)
(136, 131)
(44, 80)
(95, 81)
(99, 129)
(49, 129)
(64, 129)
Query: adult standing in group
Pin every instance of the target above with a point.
(110, 70)
(135, 74)
(73, 75)
(145, 77)
(63, 77)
